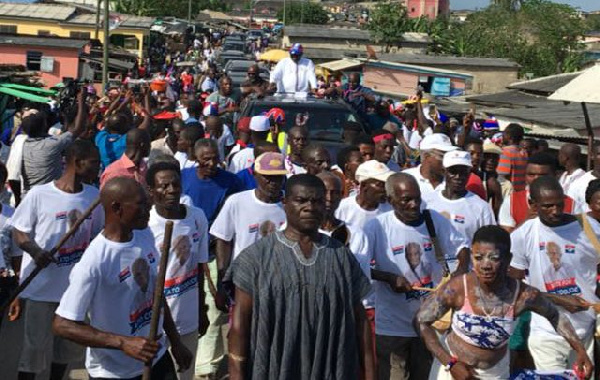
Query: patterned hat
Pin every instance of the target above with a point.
(211, 109)
(270, 163)
(277, 114)
(296, 49)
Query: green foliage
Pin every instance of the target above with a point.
(303, 13)
(540, 35)
(157, 8)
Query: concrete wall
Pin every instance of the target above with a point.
(389, 80)
(429, 8)
(63, 30)
(66, 61)
(486, 80)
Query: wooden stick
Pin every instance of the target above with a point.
(422, 289)
(159, 292)
(53, 251)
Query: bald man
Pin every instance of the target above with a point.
(104, 286)
(254, 84)
(131, 164)
(569, 157)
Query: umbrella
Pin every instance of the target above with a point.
(274, 55)
(582, 89)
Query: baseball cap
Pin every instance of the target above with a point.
(260, 124)
(296, 49)
(457, 157)
(270, 163)
(437, 141)
(373, 169)
(277, 114)
(490, 147)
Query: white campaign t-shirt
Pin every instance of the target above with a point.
(467, 214)
(424, 185)
(578, 188)
(355, 216)
(389, 241)
(189, 248)
(114, 283)
(242, 160)
(533, 243)
(5, 215)
(184, 161)
(46, 214)
(245, 219)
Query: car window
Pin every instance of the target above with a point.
(324, 123)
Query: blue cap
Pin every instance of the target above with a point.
(296, 49)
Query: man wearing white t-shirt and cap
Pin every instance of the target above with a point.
(430, 173)
(466, 211)
(404, 255)
(371, 200)
(250, 215)
(561, 260)
(260, 126)
(112, 286)
(579, 186)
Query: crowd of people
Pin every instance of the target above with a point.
(431, 248)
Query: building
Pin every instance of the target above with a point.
(401, 80)
(54, 58)
(489, 74)
(129, 32)
(429, 8)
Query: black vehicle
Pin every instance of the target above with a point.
(226, 56)
(326, 117)
(235, 46)
(237, 69)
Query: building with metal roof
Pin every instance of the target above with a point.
(36, 11)
(545, 85)
(126, 21)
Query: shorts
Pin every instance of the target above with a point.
(40, 346)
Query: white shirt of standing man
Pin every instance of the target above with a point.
(294, 74)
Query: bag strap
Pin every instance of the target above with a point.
(439, 255)
(589, 232)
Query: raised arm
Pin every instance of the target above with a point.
(81, 119)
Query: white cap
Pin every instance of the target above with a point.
(260, 124)
(373, 169)
(457, 157)
(437, 141)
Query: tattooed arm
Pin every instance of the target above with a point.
(536, 302)
(432, 309)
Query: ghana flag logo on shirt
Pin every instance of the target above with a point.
(253, 228)
(459, 219)
(60, 215)
(398, 250)
(542, 246)
(427, 247)
(124, 274)
(570, 249)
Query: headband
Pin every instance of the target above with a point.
(385, 136)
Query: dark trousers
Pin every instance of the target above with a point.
(405, 358)
(162, 370)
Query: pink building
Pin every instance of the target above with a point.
(54, 58)
(429, 8)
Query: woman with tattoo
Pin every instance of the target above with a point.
(486, 303)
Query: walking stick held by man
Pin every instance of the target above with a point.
(159, 292)
(53, 252)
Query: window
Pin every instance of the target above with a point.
(34, 60)
(8, 29)
(131, 43)
(80, 35)
(43, 33)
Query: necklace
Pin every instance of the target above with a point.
(488, 315)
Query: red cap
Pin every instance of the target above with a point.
(243, 124)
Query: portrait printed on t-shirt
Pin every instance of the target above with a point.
(182, 249)
(419, 271)
(266, 228)
(143, 286)
(70, 253)
(559, 277)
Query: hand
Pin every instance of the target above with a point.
(183, 356)
(221, 301)
(14, 310)
(399, 284)
(42, 258)
(583, 365)
(462, 371)
(139, 348)
(203, 322)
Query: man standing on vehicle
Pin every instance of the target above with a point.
(294, 74)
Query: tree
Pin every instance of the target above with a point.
(388, 22)
(303, 13)
(176, 8)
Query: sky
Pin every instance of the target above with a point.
(586, 5)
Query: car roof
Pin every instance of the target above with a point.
(313, 102)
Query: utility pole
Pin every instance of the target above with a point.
(283, 12)
(105, 44)
(189, 11)
(98, 10)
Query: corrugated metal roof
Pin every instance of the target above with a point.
(127, 21)
(341, 64)
(546, 85)
(42, 41)
(327, 33)
(36, 11)
(583, 88)
(415, 68)
(432, 60)
(330, 54)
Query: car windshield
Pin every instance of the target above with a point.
(324, 123)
